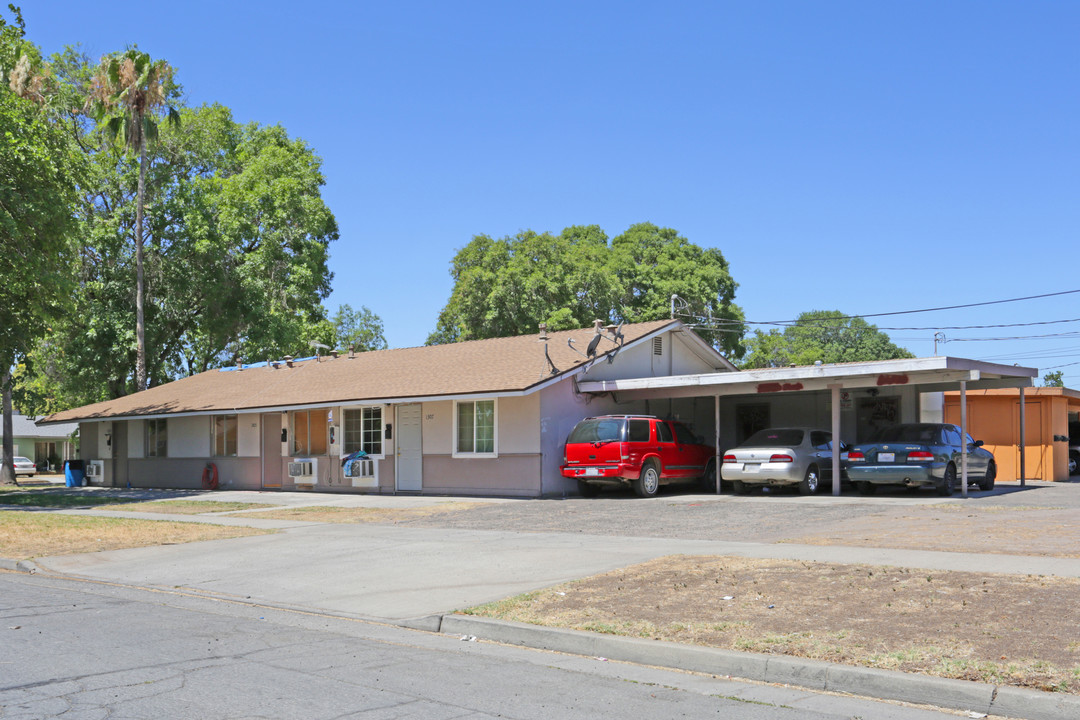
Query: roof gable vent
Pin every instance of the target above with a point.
(658, 346)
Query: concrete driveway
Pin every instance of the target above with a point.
(395, 572)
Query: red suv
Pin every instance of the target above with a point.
(640, 450)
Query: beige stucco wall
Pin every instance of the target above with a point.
(519, 426)
(513, 475)
(136, 438)
(189, 437)
(437, 423)
(248, 440)
(104, 450)
(186, 473)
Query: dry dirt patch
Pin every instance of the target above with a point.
(1018, 630)
(363, 514)
(1040, 531)
(25, 535)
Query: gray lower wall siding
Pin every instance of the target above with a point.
(516, 475)
(186, 473)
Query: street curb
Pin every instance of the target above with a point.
(18, 565)
(948, 693)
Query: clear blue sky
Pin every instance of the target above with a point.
(862, 156)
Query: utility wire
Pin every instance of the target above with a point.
(705, 323)
(951, 307)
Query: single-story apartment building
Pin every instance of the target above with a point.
(485, 417)
(46, 445)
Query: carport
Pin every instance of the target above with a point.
(918, 376)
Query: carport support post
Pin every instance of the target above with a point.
(835, 392)
(716, 440)
(963, 438)
(1023, 437)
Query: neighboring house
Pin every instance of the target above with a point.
(487, 417)
(994, 417)
(44, 444)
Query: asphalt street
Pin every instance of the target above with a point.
(82, 649)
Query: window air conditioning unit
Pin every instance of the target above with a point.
(95, 470)
(363, 471)
(304, 470)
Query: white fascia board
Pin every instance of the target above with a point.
(940, 369)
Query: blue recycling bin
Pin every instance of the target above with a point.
(74, 475)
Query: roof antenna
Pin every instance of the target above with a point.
(544, 339)
(318, 346)
(617, 338)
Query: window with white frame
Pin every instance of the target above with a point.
(225, 432)
(363, 430)
(157, 438)
(474, 427)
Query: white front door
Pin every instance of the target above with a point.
(409, 472)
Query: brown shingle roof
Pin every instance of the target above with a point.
(498, 365)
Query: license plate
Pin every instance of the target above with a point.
(751, 468)
(886, 457)
(592, 471)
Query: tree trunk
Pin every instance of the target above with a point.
(7, 471)
(140, 324)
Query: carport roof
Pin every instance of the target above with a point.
(929, 374)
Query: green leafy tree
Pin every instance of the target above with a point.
(825, 335)
(1055, 378)
(655, 263)
(127, 93)
(236, 252)
(39, 173)
(508, 286)
(360, 329)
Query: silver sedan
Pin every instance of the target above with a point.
(781, 456)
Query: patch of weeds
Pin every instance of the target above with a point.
(499, 608)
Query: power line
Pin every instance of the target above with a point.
(948, 307)
(1062, 336)
(732, 325)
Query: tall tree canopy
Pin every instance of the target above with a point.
(507, 286)
(236, 252)
(39, 174)
(360, 329)
(127, 92)
(825, 335)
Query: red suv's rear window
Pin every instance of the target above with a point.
(600, 430)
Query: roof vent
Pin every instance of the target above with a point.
(334, 353)
(658, 346)
(288, 360)
(352, 351)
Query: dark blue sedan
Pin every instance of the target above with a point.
(919, 455)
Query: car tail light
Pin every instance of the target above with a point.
(781, 458)
(730, 458)
(920, 455)
(856, 456)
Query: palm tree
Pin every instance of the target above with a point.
(127, 93)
